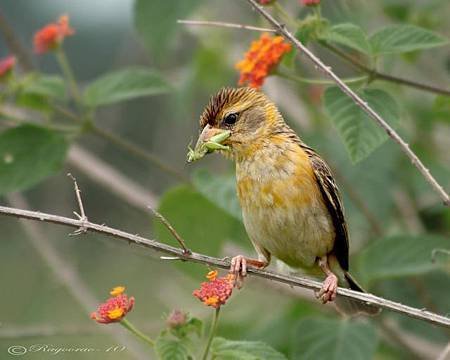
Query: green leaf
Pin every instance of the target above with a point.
(29, 154)
(220, 190)
(349, 35)
(404, 38)
(360, 134)
(125, 85)
(402, 255)
(204, 226)
(52, 86)
(156, 22)
(223, 349)
(34, 102)
(311, 29)
(171, 349)
(333, 339)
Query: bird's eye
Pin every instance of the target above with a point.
(230, 119)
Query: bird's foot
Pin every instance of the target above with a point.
(239, 265)
(329, 289)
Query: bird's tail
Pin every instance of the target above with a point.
(353, 307)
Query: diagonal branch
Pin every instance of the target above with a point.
(281, 29)
(420, 314)
(373, 73)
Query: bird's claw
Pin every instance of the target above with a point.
(238, 267)
(328, 290)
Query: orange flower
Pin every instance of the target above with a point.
(52, 35)
(114, 309)
(264, 54)
(6, 65)
(216, 291)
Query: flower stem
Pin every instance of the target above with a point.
(212, 332)
(129, 326)
(68, 73)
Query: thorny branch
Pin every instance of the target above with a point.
(172, 230)
(82, 216)
(420, 314)
(356, 98)
(373, 73)
(280, 28)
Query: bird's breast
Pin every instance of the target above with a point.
(282, 206)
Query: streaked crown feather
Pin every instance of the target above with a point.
(225, 97)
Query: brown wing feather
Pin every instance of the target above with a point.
(333, 201)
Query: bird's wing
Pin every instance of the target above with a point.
(333, 201)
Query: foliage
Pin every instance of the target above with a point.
(321, 338)
(51, 111)
(358, 131)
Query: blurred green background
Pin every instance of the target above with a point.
(52, 281)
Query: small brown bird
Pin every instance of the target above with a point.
(290, 203)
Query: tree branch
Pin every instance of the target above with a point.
(420, 314)
(375, 75)
(67, 275)
(224, 24)
(357, 99)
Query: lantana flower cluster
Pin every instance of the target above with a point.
(216, 291)
(115, 308)
(264, 54)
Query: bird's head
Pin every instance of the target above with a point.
(235, 121)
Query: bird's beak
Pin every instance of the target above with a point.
(210, 140)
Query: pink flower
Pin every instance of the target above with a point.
(176, 319)
(216, 291)
(6, 65)
(114, 309)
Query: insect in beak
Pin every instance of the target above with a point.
(210, 140)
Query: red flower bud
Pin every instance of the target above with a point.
(6, 65)
(52, 35)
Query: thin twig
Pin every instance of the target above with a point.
(374, 74)
(82, 216)
(224, 24)
(68, 276)
(357, 99)
(168, 225)
(421, 314)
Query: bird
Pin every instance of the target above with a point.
(291, 206)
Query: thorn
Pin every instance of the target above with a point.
(170, 258)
